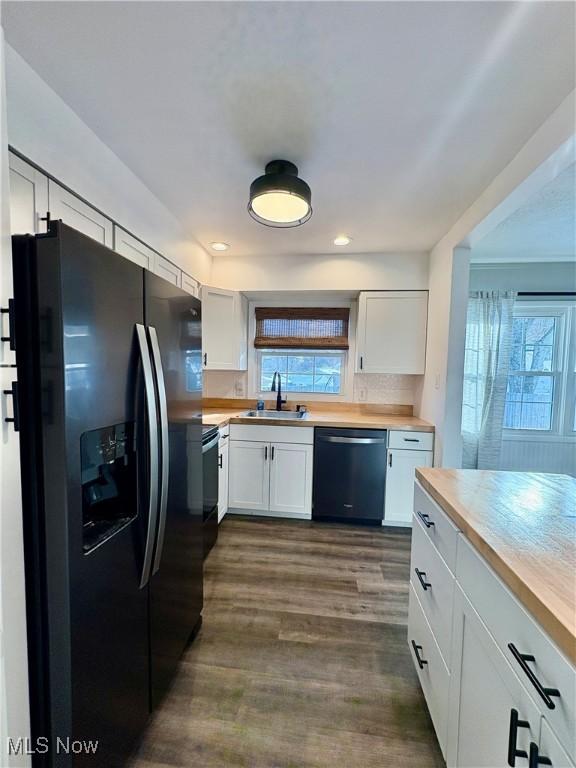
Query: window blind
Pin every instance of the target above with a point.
(302, 328)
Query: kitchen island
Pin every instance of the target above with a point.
(492, 623)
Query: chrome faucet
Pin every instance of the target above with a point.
(279, 401)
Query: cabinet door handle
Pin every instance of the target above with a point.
(536, 758)
(422, 579)
(513, 751)
(15, 418)
(361, 362)
(421, 662)
(272, 454)
(11, 338)
(205, 358)
(544, 693)
(390, 459)
(220, 460)
(265, 453)
(425, 519)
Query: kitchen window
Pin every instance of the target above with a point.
(306, 345)
(540, 394)
(303, 371)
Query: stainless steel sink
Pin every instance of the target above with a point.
(287, 415)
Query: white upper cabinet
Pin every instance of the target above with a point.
(167, 270)
(188, 284)
(224, 329)
(79, 215)
(392, 332)
(133, 249)
(28, 197)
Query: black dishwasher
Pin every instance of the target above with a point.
(349, 475)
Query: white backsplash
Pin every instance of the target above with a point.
(393, 389)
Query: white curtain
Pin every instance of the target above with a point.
(486, 363)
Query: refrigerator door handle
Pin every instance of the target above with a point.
(153, 457)
(163, 408)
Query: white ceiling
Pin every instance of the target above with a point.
(399, 114)
(543, 229)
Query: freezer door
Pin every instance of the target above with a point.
(173, 320)
(85, 527)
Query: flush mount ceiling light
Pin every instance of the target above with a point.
(280, 198)
(342, 240)
(219, 246)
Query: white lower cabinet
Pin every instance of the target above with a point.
(400, 473)
(291, 479)
(271, 475)
(550, 748)
(249, 476)
(432, 671)
(488, 712)
(223, 464)
(493, 719)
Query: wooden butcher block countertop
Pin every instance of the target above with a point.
(321, 415)
(524, 525)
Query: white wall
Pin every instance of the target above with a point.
(14, 716)
(440, 401)
(549, 276)
(44, 129)
(364, 271)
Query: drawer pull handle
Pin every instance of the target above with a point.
(421, 662)
(422, 579)
(425, 519)
(544, 693)
(411, 440)
(513, 752)
(535, 758)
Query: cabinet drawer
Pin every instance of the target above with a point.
(440, 529)
(433, 675)
(550, 747)
(271, 434)
(414, 441)
(509, 622)
(434, 587)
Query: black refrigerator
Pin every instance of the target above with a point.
(109, 411)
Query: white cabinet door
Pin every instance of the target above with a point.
(249, 475)
(28, 197)
(392, 332)
(190, 285)
(224, 329)
(167, 270)
(550, 747)
(486, 697)
(78, 214)
(133, 249)
(223, 463)
(291, 479)
(400, 476)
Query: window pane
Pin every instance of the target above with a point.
(297, 364)
(539, 330)
(327, 383)
(328, 364)
(272, 363)
(529, 402)
(299, 383)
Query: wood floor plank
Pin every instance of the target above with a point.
(302, 660)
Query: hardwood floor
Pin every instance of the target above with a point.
(302, 660)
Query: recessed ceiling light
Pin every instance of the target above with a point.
(280, 198)
(219, 246)
(342, 240)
